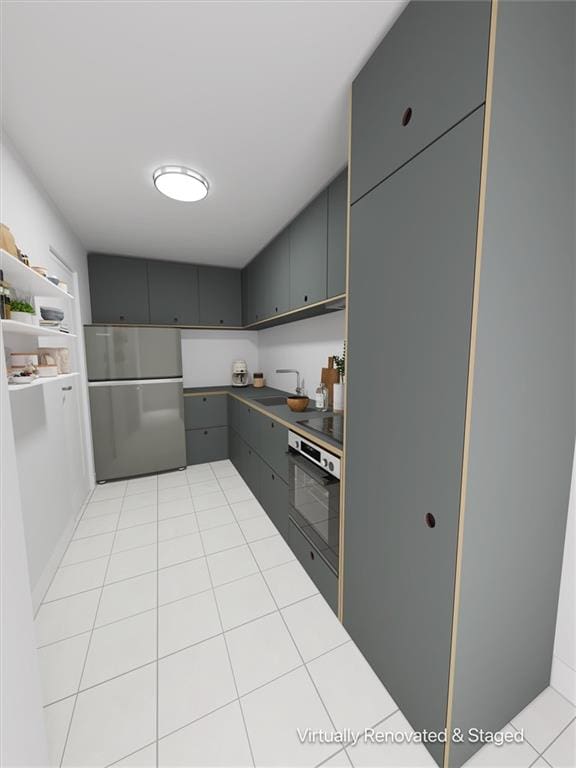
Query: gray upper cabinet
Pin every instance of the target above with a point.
(337, 210)
(276, 275)
(430, 73)
(308, 253)
(118, 289)
(173, 290)
(220, 293)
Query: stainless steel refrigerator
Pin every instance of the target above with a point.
(136, 400)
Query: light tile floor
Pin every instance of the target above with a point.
(180, 630)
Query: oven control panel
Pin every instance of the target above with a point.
(319, 456)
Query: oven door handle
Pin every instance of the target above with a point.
(313, 470)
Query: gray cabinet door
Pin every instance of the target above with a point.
(337, 209)
(205, 411)
(276, 275)
(235, 449)
(253, 464)
(204, 445)
(254, 290)
(413, 243)
(118, 289)
(273, 445)
(308, 253)
(274, 498)
(432, 62)
(173, 289)
(318, 570)
(220, 294)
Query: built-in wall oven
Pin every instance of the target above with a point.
(314, 531)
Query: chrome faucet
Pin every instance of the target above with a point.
(292, 370)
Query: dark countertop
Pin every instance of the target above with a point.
(280, 412)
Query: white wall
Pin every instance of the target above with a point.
(304, 345)
(564, 661)
(207, 356)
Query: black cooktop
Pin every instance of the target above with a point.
(331, 424)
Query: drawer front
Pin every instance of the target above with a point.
(250, 423)
(235, 415)
(205, 411)
(274, 498)
(432, 62)
(320, 573)
(273, 444)
(203, 445)
(253, 476)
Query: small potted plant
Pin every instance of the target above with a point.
(340, 364)
(22, 311)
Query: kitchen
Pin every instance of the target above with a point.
(262, 432)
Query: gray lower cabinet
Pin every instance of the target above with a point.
(253, 464)
(173, 291)
(319, 571)
(274, 498)
(273, 445)
(308, 253)
(429, 74)
(337, 223)
(220, 293)
(118, 289)
(204, 445)
(205, 411)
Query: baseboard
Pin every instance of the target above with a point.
(43, 583)
(563, 679)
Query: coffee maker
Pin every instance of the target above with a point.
(239, 373)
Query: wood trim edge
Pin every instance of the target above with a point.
(294, 311)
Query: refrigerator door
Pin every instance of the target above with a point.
(137, 427)
(114, 352)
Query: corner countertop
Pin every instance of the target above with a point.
(280, 413)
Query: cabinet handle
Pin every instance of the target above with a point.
(122, 317)
(311, 555)
(221, 322)
(272, 424)
(203, 399)
(205, 431)
(175, 320)
(66, 389)
(305, 298)
(407, 116)
(430, 520)
(275, 309)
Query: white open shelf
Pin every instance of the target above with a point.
(28, 329)
(41, 381)
(24, 280)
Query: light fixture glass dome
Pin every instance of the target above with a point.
(180, 183)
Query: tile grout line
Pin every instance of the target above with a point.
(158, 620)
(85, 658)
(555, 739)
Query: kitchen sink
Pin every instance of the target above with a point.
(270, 400)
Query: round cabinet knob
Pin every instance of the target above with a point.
(325, 462)
(331, 466)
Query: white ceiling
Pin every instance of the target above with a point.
(251, 94)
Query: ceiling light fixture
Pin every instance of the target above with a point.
(180, 183)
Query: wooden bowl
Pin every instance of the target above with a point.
(298, 403)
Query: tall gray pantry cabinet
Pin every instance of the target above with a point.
(460, 404)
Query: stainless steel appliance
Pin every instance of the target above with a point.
(239, 373)
(136, 400)
(314, 491)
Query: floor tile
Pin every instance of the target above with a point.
(201, 745)
(182, 580)
(61, 667)
(142, 485)
(172, 480)
(181, 702)
(139, 500)
(243, 600)
(187, 621)
(212, 518)
(66, 617)
(107, 507)
(204, 488)
(247, 508)
(289, 583)
(109, 491)
(81, 550)
(231, 564)
(124, 565)
(136, 536)
(271, 552)
(126, 598)
(562, 752)
(143, 758)
(230, 482)
(257, 528)
(173, 494)
(339, 760)
(210, 501)
(170, 509)
(239, 494)
(221, 538)
(540, 763)
(57, 719)
(179, 550)
(275, 712)
(544, 718)
(390, 755)
(177, 526)
(77, 578)
(349, 688)
(113, 719)
(93, 526)
(260, 651)
(224, 468)
(314, 626)
(199, 473)
(120, 647)
(140, 516)
(509, 755)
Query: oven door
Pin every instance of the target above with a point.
(315, 506)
